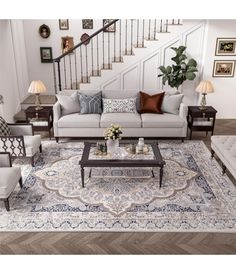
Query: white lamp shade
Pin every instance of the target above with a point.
(205, 87)
(37, 87)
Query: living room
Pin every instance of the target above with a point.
(122, 131)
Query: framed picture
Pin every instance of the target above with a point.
(112, 28)
(67, 43)
(84, 37)
(46, 54)
(87, 23)
(64, 24)
(44, 31)
(223, 68)
(225, 47)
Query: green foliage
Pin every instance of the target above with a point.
(179, 72)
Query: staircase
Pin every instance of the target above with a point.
(100, 52)
(133, 49)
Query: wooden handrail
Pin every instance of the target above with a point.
(81, 43)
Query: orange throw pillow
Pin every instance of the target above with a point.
(151, 103)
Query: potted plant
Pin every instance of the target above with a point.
(179, 72)
(113, 135)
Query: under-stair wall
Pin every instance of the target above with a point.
(139, 72)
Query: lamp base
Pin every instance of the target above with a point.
(37, 102)
(38, 108)
(203, 102)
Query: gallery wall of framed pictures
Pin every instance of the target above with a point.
(224, 47)
(70, 36)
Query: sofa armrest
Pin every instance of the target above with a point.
(56, 112)
(21, 129)
(183, 111)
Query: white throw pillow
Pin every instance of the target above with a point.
(171, 103)
(69, 104)
(119, 105)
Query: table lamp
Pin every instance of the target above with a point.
(37, 87)
(204, 87)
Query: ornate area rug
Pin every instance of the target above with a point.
(194, 197)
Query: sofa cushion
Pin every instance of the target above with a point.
(8, 180)
(151, 103)
(171, 103)
(78, 120)
(90, 104)
(119, 105)
(166, 120)
(69, 104)
(125, 120)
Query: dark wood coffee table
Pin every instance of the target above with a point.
(87, 161)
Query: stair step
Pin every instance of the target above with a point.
(96, 73)
(151, 39)
(75, 85)
(85, 80)
(128, 52)
(107, 66)
(139, 46)
(20, 117)
(163, 32)
(118, 60)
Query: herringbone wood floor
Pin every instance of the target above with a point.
(125, 243)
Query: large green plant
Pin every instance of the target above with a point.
(179, 72)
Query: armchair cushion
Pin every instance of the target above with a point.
(32, 144)
(4, 128)
(8, 180)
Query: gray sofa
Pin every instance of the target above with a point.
(133, 124)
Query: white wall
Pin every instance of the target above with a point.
(224, 97)
(8, 76)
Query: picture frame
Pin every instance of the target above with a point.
(84, 37)
(67, 43)
(63, 24)
(44, 31)
(223, 68)
(46, 54)
(225, 47)
(87, 23)
(112, 28)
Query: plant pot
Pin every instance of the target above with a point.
(112, 146)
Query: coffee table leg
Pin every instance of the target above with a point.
(82, 175)
(161, 175)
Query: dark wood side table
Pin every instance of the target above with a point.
(201, 119)
(42, 119)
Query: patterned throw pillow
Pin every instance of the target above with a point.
(4, 128)
(90, 104)
(119, 105)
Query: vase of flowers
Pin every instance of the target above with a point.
(112, 135)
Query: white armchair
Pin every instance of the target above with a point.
(9, 178)
(22, 142)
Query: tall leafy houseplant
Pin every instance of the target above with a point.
(179, 72)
